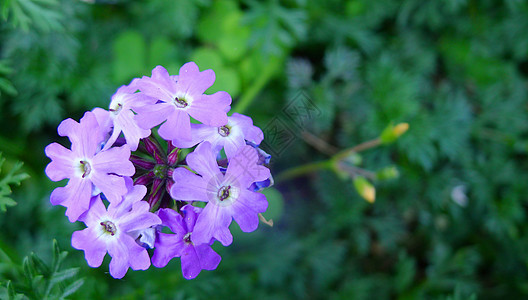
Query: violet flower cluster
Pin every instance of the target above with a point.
(142, 176)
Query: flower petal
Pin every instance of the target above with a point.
(115, 161)
(138, 218)
(210, 109)
(246, 209)
(194, 82)
(209, 259)
(178, 126)
(75, 196)
(167, 247)
(62, 162)
(203, 161)
(188, 186)
(190, 262)
(213, 222)
(94, 248)
(120, 258)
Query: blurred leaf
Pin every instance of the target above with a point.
(130, 56)
(25, 13)
(13, 177)
(274, 28)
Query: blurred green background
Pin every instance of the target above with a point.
(453, 225)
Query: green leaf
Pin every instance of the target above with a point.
(72, 288)
(13, 177)
(63, 275)
(41, 14)
(10, 290)
(130, 56)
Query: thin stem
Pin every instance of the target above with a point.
(318, 143)
(304, 169)
(248, 97)
(356, 149)
(332, 163)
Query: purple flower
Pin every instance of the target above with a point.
(86, 167)
(179, 98)
(227, 196)
(194, 257)
(121, 116)
(108, 231)
(231, 136)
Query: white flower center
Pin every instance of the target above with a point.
(224, 131)
(83, 168)
(109, 228)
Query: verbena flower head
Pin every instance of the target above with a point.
(128, 200)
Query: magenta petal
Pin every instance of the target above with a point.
(233, 145)
(209, 259)
(92, 217)
(112, 186)
(243, 168)
(193, 81)
(104, 120)
(94, 248)
(188, 186)
(167, 247)
(190, 262)
(159, 86)
(203, 161)
(190, 215)
(173, 220)
(62, 162)
(75, 196)
(178, 126)
(213, 222)
(139, 258)
(120, 258)
(253, 134)
(131, 130)
(139, 218)
(149, 116)
(114, 160)
(246, 209)
(210, 109)
(84, 136)
(199, 133)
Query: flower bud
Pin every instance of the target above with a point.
(392, 133)
(387, 173)
(365, 189)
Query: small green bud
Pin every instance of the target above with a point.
(365, 189)
(392, 133)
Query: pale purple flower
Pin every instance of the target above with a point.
(108, 231)
(194, 257)
(181, 97)
(231, 137)
(86, 166)
(121, 116)
(227, 195)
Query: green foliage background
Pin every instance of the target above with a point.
(452, 226)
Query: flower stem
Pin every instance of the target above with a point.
(304, 169)
(331, 163)
(250, 94)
